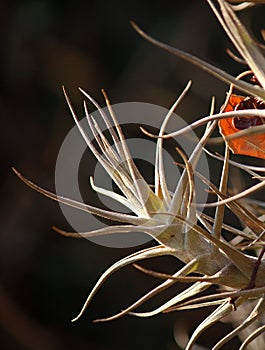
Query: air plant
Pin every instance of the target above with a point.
(174, 220)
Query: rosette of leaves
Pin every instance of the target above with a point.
(171, 218)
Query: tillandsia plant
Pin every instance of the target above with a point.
(175, 220)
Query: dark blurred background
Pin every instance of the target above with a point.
(45, 44)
